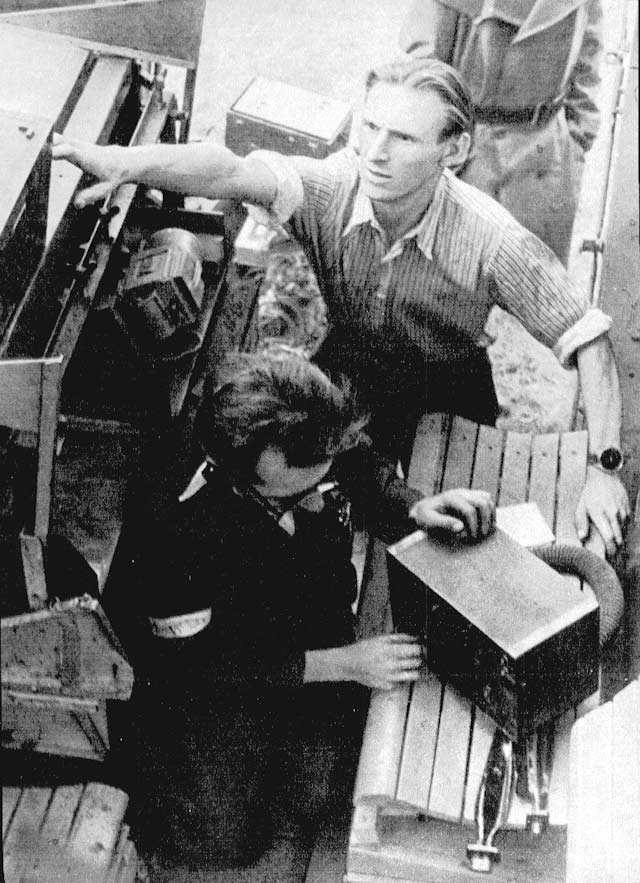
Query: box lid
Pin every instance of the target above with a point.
(500, 587)
(293, 108)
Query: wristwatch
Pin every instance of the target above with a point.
(609, 460)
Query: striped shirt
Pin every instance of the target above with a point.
(432, 289)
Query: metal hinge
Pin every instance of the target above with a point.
(594, 245)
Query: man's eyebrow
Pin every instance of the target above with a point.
(395, 132)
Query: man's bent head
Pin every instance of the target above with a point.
(275, 400)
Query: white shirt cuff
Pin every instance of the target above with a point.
(592, 325)
(289, 189)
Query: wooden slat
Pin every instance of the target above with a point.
(22, 837)
(48, 862)
(589, 832)
(450, 764)
(542, 479)
(625, 762)
(460, 454)
(382, 744)
(488, 460)
(95, 832)
(571, 477)
(515, 469)
(419, 747)
(10, 798)
(425, 468)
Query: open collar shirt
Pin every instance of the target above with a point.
(432, 289)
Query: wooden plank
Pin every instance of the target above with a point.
(515, 469)
(47, 89)
(544, 471)
(488, 460)
(625, 762)
(95, 832)
(460, 454)
(427, 458)
(382, 744)
(571, 478)
(22, 837)
(154, 30)
(20, 392)
(450, 764)
(10, 798)
(589, 831)
(49, 861)
(419, 747)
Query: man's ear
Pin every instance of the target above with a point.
(456, 151)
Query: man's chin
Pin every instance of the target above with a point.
(380, 191)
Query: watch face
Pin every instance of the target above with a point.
(611, 458)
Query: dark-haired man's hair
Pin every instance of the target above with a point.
(275, 398)
(431, 75)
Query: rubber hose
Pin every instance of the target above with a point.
(597, 573)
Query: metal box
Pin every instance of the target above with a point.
(271, 115)
(24, 196)
(501, 626)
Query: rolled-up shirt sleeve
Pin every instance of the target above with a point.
(528, 281)
(289, 188)
(592, 325)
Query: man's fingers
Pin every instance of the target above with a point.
(403, 676)
(441, 521)
(401, 638)
(582, 521)
(614, 522)
(487, 517)
(96, 193)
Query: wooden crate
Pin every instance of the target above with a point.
(72, 833)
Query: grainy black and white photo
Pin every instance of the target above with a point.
(320, 441)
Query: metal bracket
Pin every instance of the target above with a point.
(594, 245)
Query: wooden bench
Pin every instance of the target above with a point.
(425, 747)
(73, 833)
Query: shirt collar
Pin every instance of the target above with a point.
(424, 231)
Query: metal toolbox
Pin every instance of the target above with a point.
(271, 115)
(500, 625)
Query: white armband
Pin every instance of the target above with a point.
(182, 626)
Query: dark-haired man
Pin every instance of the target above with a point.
(410, 261)
(250, 685)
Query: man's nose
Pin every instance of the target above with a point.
(379, 146)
